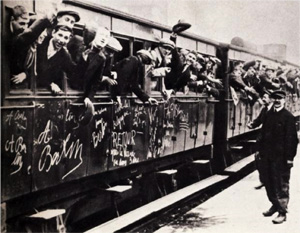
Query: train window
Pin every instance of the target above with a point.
(137, 45)
(125, 51)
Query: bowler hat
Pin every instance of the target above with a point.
(114, 44)
(167, 43)
(248, 64)
(69, 12)
(278, 94)
(181, 26)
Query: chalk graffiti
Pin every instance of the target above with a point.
(70, 150)
(45, 136)
(19, 117)
(122, 139)
(139, 117)
(97, 136)
(120, 120)
(19, 148)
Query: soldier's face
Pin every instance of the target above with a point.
(190, 59)
(266, 99)
(279, 102)
(23, 22)
(165, 50)
(41, 37)
(102, 38)
(61, 38)
(66, 20)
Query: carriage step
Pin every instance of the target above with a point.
(236, 147)
(44, 218)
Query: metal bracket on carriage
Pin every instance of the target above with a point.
(96, 103)
(212, 100)
(139, 102)
(187, 101)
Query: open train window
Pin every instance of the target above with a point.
(125, 42)
(137, 45)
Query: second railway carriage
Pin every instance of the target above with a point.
(50, 160)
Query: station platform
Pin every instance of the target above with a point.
(239, 209)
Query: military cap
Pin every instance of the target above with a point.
(181, 26)
(248, 64)
(278, 94)
(69, 12)
(167, 43)
(114, 45)
(146, 56)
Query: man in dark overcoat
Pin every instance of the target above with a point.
(278, 147)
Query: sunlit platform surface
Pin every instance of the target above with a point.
(238, 209)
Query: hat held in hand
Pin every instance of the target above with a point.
(181, 26)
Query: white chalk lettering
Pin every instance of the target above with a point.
(120, 120)
(48, 160)
(18, 161)
(44, 136)
(98, 135)
(9, 117)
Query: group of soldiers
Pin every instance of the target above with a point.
(47, 48)
(253, 78)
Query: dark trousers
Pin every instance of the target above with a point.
(276, 177)
(259, 167)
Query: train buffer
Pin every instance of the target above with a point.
(44, 218)
(118, 189)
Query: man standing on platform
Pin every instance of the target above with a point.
(278, 147)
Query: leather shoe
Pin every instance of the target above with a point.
(279, 219)
(270, 212)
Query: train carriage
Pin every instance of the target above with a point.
(50, 160)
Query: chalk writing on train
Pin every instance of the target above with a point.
(70, 150)
(98, 135)
(17, 147)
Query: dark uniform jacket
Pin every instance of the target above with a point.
(129, 72)
(279, 135)
(52, 70)
(90, 72)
